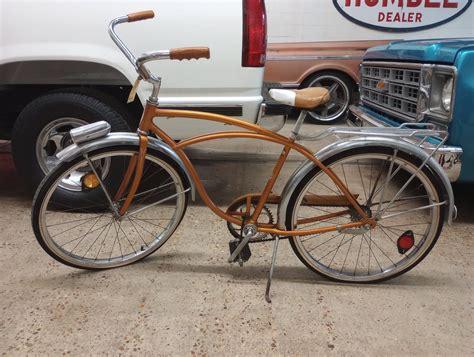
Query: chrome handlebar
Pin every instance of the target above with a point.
(118, 41)
(138, 63)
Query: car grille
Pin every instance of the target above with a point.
(391, 89)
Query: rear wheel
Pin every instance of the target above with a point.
(91, 235)
(341, 91)
(407, 204)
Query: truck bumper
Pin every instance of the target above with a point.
(449, 157)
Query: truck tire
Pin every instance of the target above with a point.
(341, 89)
(42, 129)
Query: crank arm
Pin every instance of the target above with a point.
(239, 248)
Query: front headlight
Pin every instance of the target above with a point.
(435, 101)
(447, 95)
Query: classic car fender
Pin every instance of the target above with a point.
(115, 139)
(350, 144)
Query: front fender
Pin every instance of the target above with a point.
(115, 139)
(354, 143)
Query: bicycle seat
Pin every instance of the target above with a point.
(308, 98)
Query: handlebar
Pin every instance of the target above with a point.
(142, 15)
(139, 63)
(189, 53)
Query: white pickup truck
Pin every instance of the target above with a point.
(59, 69)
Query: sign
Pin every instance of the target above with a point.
(401, 15)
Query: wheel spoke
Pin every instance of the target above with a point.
(333, 88)
(337, 250)
(85, 235)
(339, 103)
(414, 209)
(362, 180)
(347, 254)
(358, 255)
(330, 239)
(371, 251)
(95, 240)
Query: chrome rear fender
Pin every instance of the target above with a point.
(354, 143)
(117, 139)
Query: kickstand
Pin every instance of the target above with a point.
(272, 267)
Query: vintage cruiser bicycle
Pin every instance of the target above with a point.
(366, 208)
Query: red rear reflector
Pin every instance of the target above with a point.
(254, 41)
(405, 242)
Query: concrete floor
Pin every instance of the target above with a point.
(186, 300)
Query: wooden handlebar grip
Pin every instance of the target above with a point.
(142, 15)
(189, 53)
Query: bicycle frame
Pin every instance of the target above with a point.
(135, 169)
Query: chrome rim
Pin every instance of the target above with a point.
(339, 102)
(52, 139)
(94, 237)
(374, 254)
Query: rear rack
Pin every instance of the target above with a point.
(428, 137)
(420, 131)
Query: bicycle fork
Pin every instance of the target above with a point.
(135, 169)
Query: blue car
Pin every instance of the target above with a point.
(423, 81)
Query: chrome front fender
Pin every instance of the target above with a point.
(116, 139)
(354, 143)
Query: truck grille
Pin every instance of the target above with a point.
(391, 88)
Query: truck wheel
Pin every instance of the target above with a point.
(341, 89)
(42, 130)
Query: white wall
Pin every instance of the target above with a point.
(318, 20)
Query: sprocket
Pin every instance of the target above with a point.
(266, 216)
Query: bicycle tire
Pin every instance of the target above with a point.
(156, 164)
(319, 264)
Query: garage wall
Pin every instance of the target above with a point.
(318, 20)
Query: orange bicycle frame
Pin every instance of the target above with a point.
(253, 132)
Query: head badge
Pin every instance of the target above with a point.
(382, 86)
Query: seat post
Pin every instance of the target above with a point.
(299, 123)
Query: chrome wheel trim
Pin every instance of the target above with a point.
(53, 138)
(339, 102)
(132, 256)
(402, 264)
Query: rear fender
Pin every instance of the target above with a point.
(116, 139)
(355, 143)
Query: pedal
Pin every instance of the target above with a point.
(245, 253)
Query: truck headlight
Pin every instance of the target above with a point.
(437, 92)
(447, 95)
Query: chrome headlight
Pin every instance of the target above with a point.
(436, 93)
(447, 95)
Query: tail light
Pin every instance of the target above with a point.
(254, 42)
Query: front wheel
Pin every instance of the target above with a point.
(91, 235)
(406, 202)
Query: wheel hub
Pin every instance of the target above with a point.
(53, 138)
(356, 217)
